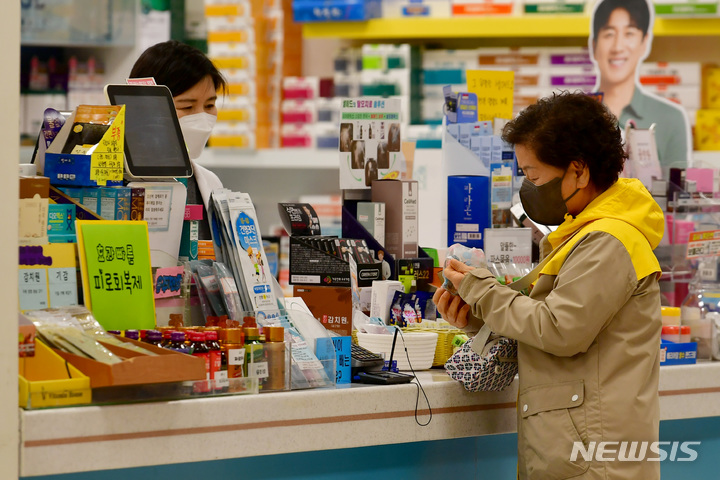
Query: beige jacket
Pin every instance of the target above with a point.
(589, 338)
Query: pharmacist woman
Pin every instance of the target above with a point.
(588, 335)
(194, 83)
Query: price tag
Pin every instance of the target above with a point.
(33, 288)
(259, 370)
(508, 245)
(62, 285)
(221, 379)
(702, 244)
(236, 356)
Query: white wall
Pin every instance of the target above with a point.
(9, 134)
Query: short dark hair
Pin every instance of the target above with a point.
(178, 66)
(638, 10)
(569, 127)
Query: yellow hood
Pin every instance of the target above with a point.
(627, 211)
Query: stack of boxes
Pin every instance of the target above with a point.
(390, 71)
(707, 127)
(231, 47)
(678, 82)
(541, 71)
(245, 42)
(310, 113)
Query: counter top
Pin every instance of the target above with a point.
(78, 439)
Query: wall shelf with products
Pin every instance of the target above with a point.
(556, 26)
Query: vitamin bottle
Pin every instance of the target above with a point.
(275, 356)
(214, 350)
(166, 338)
(132, 334)
(234, 353)
(153, 337)
(178, 344)
(198, 348)
(255, 364)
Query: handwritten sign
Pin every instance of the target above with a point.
(494, 90)
(168, 282)
(107, 161)
(116, 274)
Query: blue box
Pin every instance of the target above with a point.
(468, 209)
(335, 10)
(672, 353)
(71, 169)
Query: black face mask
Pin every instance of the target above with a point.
(544, 203)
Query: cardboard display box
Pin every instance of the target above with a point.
(312, 264)
(46, 380)
(100, 165)
(401, 215)
(331, 306)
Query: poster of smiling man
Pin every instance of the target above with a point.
(620, 39)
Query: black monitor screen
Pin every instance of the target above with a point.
(154, 145)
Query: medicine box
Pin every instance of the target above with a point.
(553, 6)
(331, 306)
(468, 209)
(61, 223)
(33, 210)
(312, 262)
(670, 73)
(335, 10)
(401, 215)
(416, 8)
(481, 7)
(677, 353)
(114, 203)
(371, 215)
(382, 296)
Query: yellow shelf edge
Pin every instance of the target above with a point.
(555, 26)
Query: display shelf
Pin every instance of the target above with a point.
(55, 441)
(30, 42)
(280, 158)
(539, 26)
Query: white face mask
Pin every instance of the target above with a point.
(196, 129)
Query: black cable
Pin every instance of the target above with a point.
(418, 385)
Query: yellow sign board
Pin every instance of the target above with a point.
(494, 90)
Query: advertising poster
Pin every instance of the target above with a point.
(370, 142)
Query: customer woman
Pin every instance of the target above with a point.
(589, 333)
(194, 83)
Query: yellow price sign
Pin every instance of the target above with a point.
(494, 90)
(106, 167)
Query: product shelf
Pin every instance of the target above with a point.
(280, 158)
(539, 26)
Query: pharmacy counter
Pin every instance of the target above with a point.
(65, 440)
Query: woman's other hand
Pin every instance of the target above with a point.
(452, 308)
